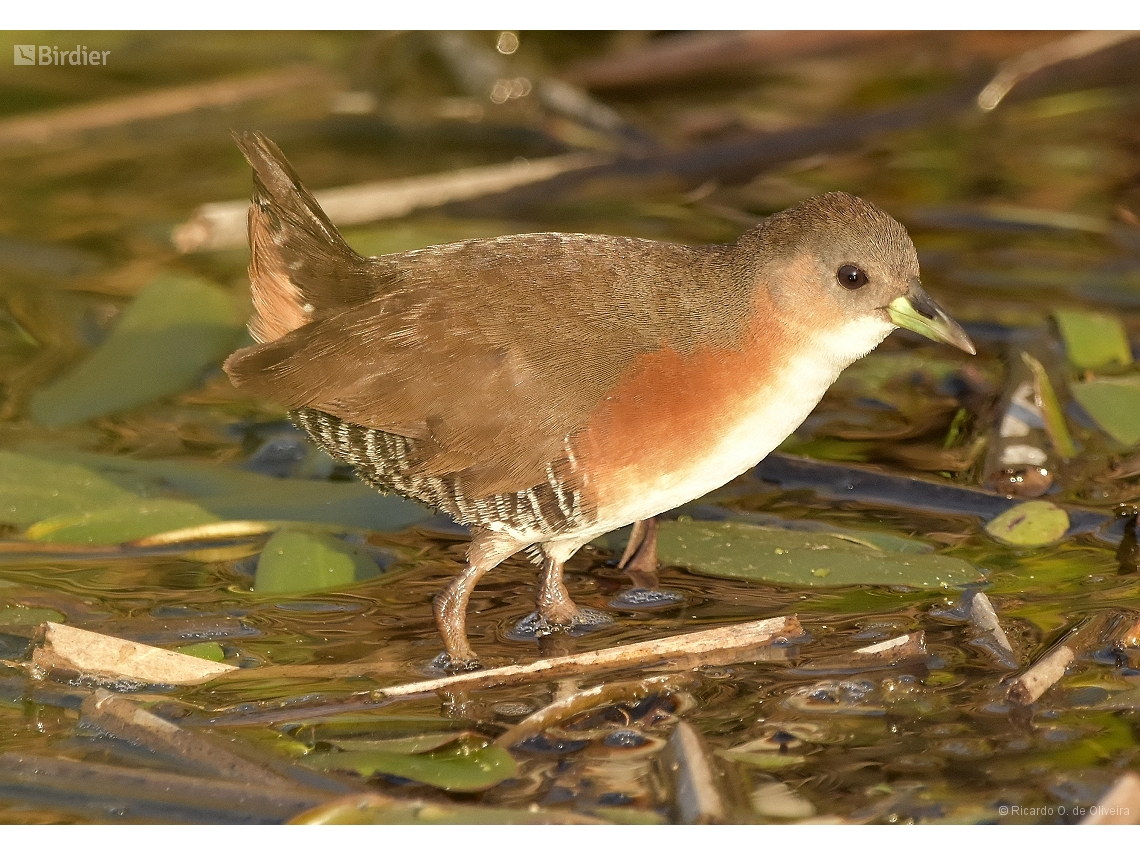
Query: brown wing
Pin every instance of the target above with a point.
(492, 353)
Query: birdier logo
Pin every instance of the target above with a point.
(52, 55)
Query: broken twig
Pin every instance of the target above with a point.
(1045, 672)
(89, 653)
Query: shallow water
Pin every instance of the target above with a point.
(1015, 214)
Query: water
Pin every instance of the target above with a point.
(86, 223)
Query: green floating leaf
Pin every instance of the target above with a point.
(98, 498)
(33, 489)
(1114, 404)
(808, 559)
(1036, 523)
(176, 328)
(1093, 339)
(297, 561)
(120, 522)
(467, 766)
(13, 615)
(209, 650)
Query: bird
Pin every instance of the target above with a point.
(545, 389)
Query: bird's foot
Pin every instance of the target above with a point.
(580, 622)
(647, 598)
(455, 665)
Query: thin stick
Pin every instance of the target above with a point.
(222, 225)
(48, 125)
(734, 643)
(1045, 672)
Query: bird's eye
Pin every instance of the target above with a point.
(851, 277)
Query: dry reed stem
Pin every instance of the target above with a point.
(222, 225)
(1029, 63)
(720, 646)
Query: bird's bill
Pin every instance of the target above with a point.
(917, 312)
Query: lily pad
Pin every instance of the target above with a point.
(807, 559)
(121, 522)
(81, 497)
(209, 650)
(1036, 523)
(1093, 339)
(1114, 404)
(15, 615)
(466, 766)
(176, 328)
(297, 561)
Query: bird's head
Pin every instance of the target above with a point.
(835, 264)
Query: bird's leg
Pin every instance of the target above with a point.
(553, 602)
(639, 561)
(450, 607)
(487, 550)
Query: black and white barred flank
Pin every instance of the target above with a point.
(386, 461)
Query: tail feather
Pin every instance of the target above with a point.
(299, 264)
